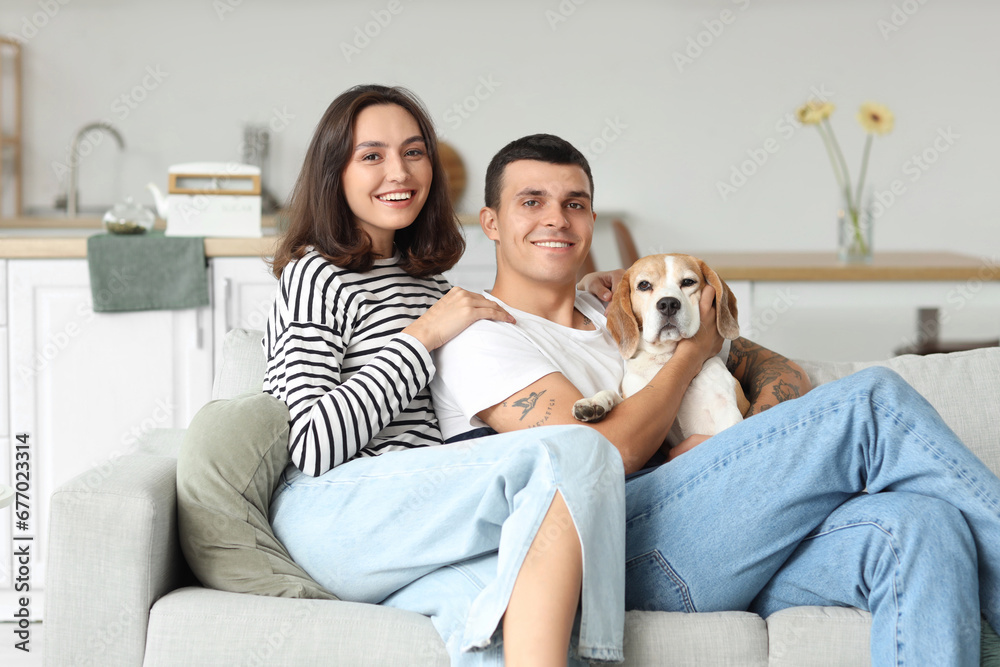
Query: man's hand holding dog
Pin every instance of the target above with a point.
(707, 342)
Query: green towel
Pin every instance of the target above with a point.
(146, 272)
(990, 647)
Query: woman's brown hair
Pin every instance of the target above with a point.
(318, 214)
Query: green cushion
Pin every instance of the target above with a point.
(229, 463)
(989, 648)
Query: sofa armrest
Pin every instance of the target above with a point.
(113, 551)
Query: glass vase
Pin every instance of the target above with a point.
(854, 231)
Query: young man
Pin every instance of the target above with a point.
(854, 494)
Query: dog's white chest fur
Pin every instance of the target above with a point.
(709, 404)
(639, 370)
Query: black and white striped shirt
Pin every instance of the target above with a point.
(354, 384)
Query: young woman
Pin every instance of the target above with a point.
(501, 536)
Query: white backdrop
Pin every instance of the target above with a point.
(669, 99)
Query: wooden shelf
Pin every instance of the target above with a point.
(825, 267)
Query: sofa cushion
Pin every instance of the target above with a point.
(720, 639)
(838, 636)
(229, 463)
(243, 364)
(989, 647)
(819, 637)
(962, 386)
(194, 626)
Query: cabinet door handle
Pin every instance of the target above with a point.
(229, 303)
(200, 327)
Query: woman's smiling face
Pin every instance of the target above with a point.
(388, 177)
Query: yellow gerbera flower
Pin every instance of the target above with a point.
(876, 118)
(813, 112)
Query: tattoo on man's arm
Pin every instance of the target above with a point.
(765, 374)
(528, 403)
(784, 391)
(742, 360)
(544, 418)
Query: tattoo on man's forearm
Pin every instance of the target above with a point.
(784, 391)
(740, 355)
(541, 421)
(528, 403)
(762, 380)
(765, 374)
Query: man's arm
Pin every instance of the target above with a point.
(638, 426)
(767, 377)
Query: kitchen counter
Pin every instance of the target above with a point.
(72, 244)
(66, 238)
(85, 222)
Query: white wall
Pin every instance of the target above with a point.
(576, 70)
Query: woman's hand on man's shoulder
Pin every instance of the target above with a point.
(452, 315)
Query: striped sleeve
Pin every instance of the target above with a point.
(331, 420)
(337, 409)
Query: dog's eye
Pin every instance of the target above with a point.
(644, 286)
(687, 282)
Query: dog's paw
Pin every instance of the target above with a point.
(589, 410)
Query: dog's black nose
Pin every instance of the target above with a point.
(668, 305)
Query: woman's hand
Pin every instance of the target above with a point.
(601, 283)
(452, 314)
(707, 342)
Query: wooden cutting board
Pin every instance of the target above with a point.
(454, 168)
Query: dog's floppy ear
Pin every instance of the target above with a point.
(621, 321)
(726, 316)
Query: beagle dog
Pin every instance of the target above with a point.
(655, 305)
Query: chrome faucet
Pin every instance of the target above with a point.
(74, 161)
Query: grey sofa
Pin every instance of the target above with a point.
(119, 592)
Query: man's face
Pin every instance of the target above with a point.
(544, 223)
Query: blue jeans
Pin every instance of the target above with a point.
(443, 531)
(855, 494)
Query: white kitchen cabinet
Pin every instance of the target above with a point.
(243, 291)
(6, 459)
(85, 386)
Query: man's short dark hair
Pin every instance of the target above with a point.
(541, 147)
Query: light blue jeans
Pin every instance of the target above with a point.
(855, 494)
(443, 531)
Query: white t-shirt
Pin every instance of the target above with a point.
(490, 361)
